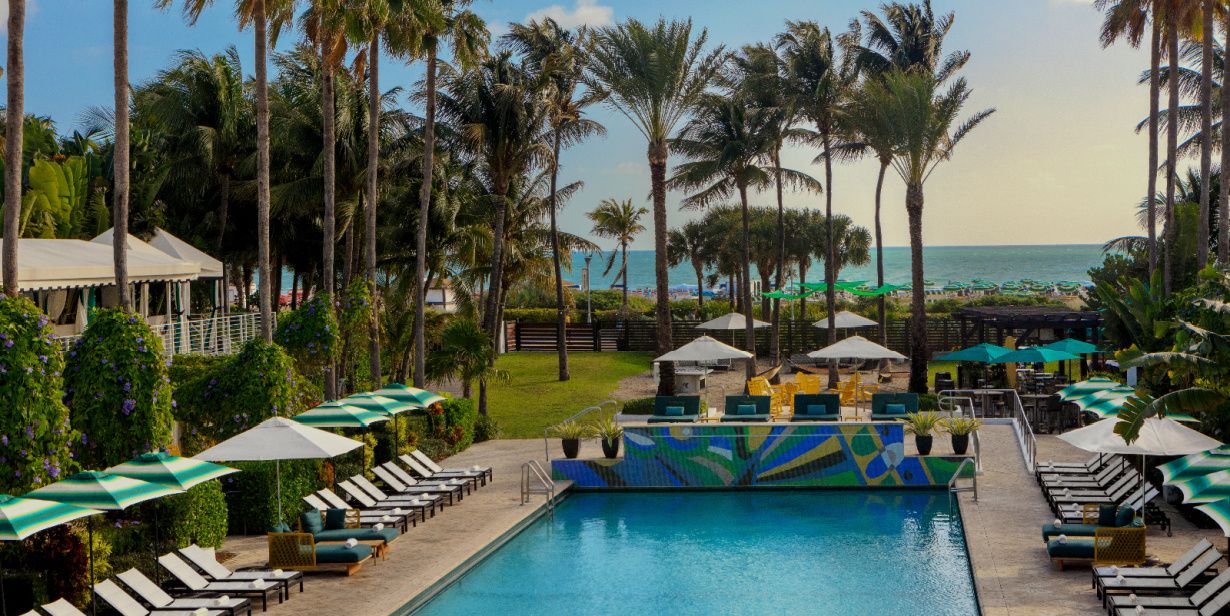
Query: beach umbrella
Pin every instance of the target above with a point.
(855, 347)
(704, 349)
(1195, 465)
(104, 491)
(1117, 393)
(378, 404)
(339, 415)
(1073, 346)
(1033, 355)
(173, 471)
(981, 353)
(732, 321)
(1205, 488)
(23, 517)
(405, 393)
(277, 439)
(1219, 510)
(1087, 387)
(845, 320)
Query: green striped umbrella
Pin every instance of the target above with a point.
(378, 404)
(339, 415)
(1195, 465)
(1219, 510)
(1117, 394)
(1085, 388)
(22, 517)
(1205, 488)
(163, 468)
(405, 393)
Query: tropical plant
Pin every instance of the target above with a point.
(607, 429)
(464, 353)
(922, 423)
(1136, 409)
(653, 75)
(960, 426)
(691, 243)
(620, 221)
(570, 430)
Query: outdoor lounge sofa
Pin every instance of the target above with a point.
(425, 501)
(125, 605)
(342, 524)
(402, 484)
(892, 406)
(816, 407)
(675, 409)
(154, 595)
(475, 477)
(1106, 516)
(299, 552)
(1104, 478)
(1108, 546)
(747, 408)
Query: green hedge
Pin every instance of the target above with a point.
(639, 406)
(117, 388)
(35, 432)
(251, 495)
(197, 516)
(453, 422)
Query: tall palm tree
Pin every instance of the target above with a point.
(1179, 17)
(467, 36)
(1206, 125)
(926, 121)
(726, 144)
(553, 54)
(14, 118)
(620, 221)
(119, 200)
(653, 74)
(691, 243)
(820, 80)
(464, 353)
(1223, 209)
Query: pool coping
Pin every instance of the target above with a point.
(969, 556)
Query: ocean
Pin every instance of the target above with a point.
(1065, 262)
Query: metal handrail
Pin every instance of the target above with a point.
(1026, 440)
(957, 475)
(546, 440)
(533, 471)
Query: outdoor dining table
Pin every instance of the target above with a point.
(984, 398)
(1034, 405)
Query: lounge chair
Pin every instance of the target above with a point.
(299, 552)
(1093, 465)
(190, 579)
(1106, 517)
(400, 521)
(342, 525)
(1173, 569)
(675, 409)
(425, 502)
(60, 607)
(1068, 498)
(122, 602)
(1186, 581)
(1075, 512)
(892, 406)
(207, 561)
(476, 477)
(1102, 479)
(1206, 601)
(747, 408)
(454, 492)
(154, 595)
(431, 465)
(402, 483)
(1108, 546)
(816, 407)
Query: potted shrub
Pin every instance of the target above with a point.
(570, 434)
(611, 433)
(960, 428)
(921, 425)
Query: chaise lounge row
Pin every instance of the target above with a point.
(806, 407)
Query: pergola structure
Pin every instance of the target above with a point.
(1028, 324)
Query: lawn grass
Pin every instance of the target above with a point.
(533, 398)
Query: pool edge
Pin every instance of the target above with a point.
(969, 557)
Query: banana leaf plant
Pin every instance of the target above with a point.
(1142, 406)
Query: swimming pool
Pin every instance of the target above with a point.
(788, 552)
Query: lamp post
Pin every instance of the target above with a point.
(585, 281)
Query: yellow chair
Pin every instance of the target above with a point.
(864, 390)
(848, 390)
(759, 386)
(807, 383)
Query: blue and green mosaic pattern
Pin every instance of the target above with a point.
(803, 455)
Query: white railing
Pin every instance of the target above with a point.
(220, 335)
(1025, 438)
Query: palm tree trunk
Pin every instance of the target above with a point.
(329, 224)
(803, 263)
(700, 288)
(775, 345)
(224, 207)
(745, 291)
(1155, 95)
(420, 249)
(262, 171)
(373, 165)
(561, 320)
(918, 300)
(1206, 131)
(880, 255)
(119, 202)
(623, 274)
(1172, 152)
(497, 263)
(1223, 209)
(662, 308)
(830, 259)
(14, 116)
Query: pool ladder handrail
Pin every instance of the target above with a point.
(535, 480)
(954, 488)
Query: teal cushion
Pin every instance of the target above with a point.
(311, 522)
(362, 534)
(673, 411)
(1050, 531)
(817, 409)
(1074, 548)
(1124, 517)
(339, 554)
(745, 409)
(335, 519)
(894, 409)
(1106, 515)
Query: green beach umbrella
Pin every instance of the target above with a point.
(982, 353)
(1073, 346)
(173, 471)
(339, 415)
(1119, 393)
(1087, 387)
(1205, 488)
(378, 404)
(1033, 355)
(405, 393)
(1195, 465)
(22, 517)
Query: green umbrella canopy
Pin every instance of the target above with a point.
(174, 471)
(22, 517)
(780, 294)
(378, 404)
(337, 415)
(1075, 347)
(98, 490)
(1033, 355)
(1195, 465)
(1085, 388)
(405, 393)
(1115, 394)
(842, 285)
(1220, 512)
(880, 290)
(1205, 488)
(982, 353)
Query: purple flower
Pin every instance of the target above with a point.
(127, 386)
(42, 320)
(54, 472)
(129, 405)
(8, 344)
(5, 440)
(30, 431)
(174, 405)
(29, 370)
(42, 358)
(132, 319)
(140, 339)
(83, 438)
(17, 473)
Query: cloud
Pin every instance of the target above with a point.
(583, 13)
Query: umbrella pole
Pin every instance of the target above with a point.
(277, 465)
(4, 608)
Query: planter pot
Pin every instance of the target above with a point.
(572, 447)
(610, 449)
(923, 443)
(960, 443)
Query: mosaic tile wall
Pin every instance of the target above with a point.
(725, 455)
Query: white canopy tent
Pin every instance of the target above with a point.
(845, 320)
(855, 347)
(731, 321)
(46, 264)
(179, 249)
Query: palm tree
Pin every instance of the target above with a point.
(691, 243)
(1178, 16)
(620, 221)
(925, 118)
(119, 200)
(1223, 209)
(14, 119)
(726, 143)
(1206, 125)
(443, 21)
(553, 54)
(465, 353)
(819, 80)
(653, 75)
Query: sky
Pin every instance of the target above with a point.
(1057, 163)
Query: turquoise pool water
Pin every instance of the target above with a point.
(796, 552)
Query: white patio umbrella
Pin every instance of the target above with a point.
(845, 320)
(733, 321)
(855, 347)
(277, 439)
(703, 349)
